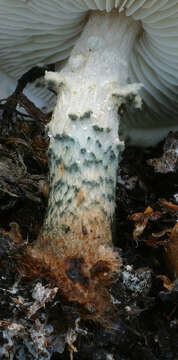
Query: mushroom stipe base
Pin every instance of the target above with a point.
(83, 274)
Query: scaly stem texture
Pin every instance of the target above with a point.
(84, 142)
(83, 157)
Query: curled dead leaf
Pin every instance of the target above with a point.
(161, 233)
(141, 220)
(167, 283)
(169, 205)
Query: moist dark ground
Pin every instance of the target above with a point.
(144, 323)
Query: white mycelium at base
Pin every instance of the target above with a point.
(84, 142)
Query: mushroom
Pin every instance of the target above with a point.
(127, 49)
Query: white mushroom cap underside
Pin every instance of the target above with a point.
(41, 31)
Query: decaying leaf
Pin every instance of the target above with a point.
(172, 251)
(14, 234)
(169, 160)
(169, 205)
(141, 220)
(167, 283)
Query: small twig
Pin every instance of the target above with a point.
(32, 110)
(17, 97)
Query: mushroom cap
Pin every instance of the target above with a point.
(43, 31)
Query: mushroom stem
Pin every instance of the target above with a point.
(75, 244)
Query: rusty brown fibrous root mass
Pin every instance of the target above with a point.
(84, 275)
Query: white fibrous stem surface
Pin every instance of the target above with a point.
(84, 142)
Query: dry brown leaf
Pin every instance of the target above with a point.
(14, 234)
(167, 283)
(161, 233)
(172, 251)
(169, 205)
(141, 220)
